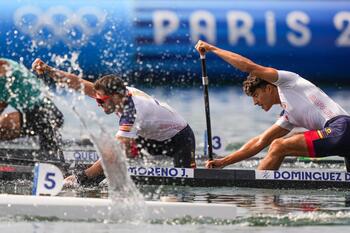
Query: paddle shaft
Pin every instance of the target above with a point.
(205, 82)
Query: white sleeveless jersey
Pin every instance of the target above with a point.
(144, 116)
(304, 104)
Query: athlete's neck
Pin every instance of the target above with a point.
(276, 96)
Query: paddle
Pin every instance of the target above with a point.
(205, 82)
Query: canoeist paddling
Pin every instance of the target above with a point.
(304, 105)
(154, 125)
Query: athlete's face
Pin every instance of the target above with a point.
(109, 103)
(264, 97)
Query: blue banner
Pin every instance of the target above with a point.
(154, 39)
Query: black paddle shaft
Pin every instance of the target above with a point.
(206, 103)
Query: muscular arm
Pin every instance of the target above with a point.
(62, 77)
(254, 145)
(243, 64)
(72, 81)
(95, 170)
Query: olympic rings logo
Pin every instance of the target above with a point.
(60, 23)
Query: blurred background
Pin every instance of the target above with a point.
(152, 41)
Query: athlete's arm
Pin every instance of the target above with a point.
(127, 145)
(72, 80)
(81, 176)
(95, 169)
(251, 148)
(243, 64)
(3, 105)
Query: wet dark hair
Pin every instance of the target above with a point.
(252, 83)
(110, 84)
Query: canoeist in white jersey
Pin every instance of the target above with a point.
(155, 126)
(304, 105)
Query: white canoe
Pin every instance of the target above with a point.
(73, 208)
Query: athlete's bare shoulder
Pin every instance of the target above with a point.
(269, 74)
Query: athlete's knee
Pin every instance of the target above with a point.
(278, 147)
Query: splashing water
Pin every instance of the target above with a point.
(127, 202)
(72, 62)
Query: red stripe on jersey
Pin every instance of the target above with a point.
(125, 128)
